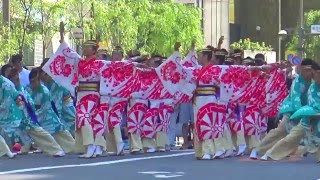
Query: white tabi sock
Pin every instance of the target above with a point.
(59, 154)
(10, 154)
(229, 153)
(98, 150)
(265, 157)
(218, 154)
(254, 154)
(241, 149)
(120, 148)
(206, 157)
(91, 149)
(151, 150)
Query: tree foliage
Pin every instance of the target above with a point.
(150, 26)
(311, 44)
(247, 44)
(21, 31)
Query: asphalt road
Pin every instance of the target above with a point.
(171, 165)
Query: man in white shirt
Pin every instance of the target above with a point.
(17, 63)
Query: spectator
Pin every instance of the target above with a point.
(17, 62)
(5, 70)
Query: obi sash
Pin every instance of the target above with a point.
(89, 86)
(207, 90)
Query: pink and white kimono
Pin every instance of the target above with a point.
(138, 106)
(118, 81)
(210, 111)
(155, 119)
(235, 80)
(276, 91)
(190, 65)
(69, 70)
(162, 99)
(251, 99)
(255, 122)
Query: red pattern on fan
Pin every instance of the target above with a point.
(99, 120)
(190, 60)
(115, 114)
(136, 117)
(60, 67)
(169, 72)
(70, 53)
(150, 125)
(86, 109)
(187, 64)
(210, 121)
(164, 114)
(251, 121)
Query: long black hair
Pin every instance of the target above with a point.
(4, 68)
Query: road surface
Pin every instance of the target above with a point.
(170, 165)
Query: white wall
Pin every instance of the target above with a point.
(216, 22)
(270, 56)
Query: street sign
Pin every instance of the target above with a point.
(315, 29)
(290, 56)
(296, 60)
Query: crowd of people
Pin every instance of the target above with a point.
(227, 104)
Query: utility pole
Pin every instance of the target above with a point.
(280, 38)
(301, 30)
(5, 11)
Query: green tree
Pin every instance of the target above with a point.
(22, 30)
(247, 44)
(23, 26)
(311, 44)
(151, 26)
(50, 15)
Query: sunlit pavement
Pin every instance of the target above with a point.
(169, 165)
